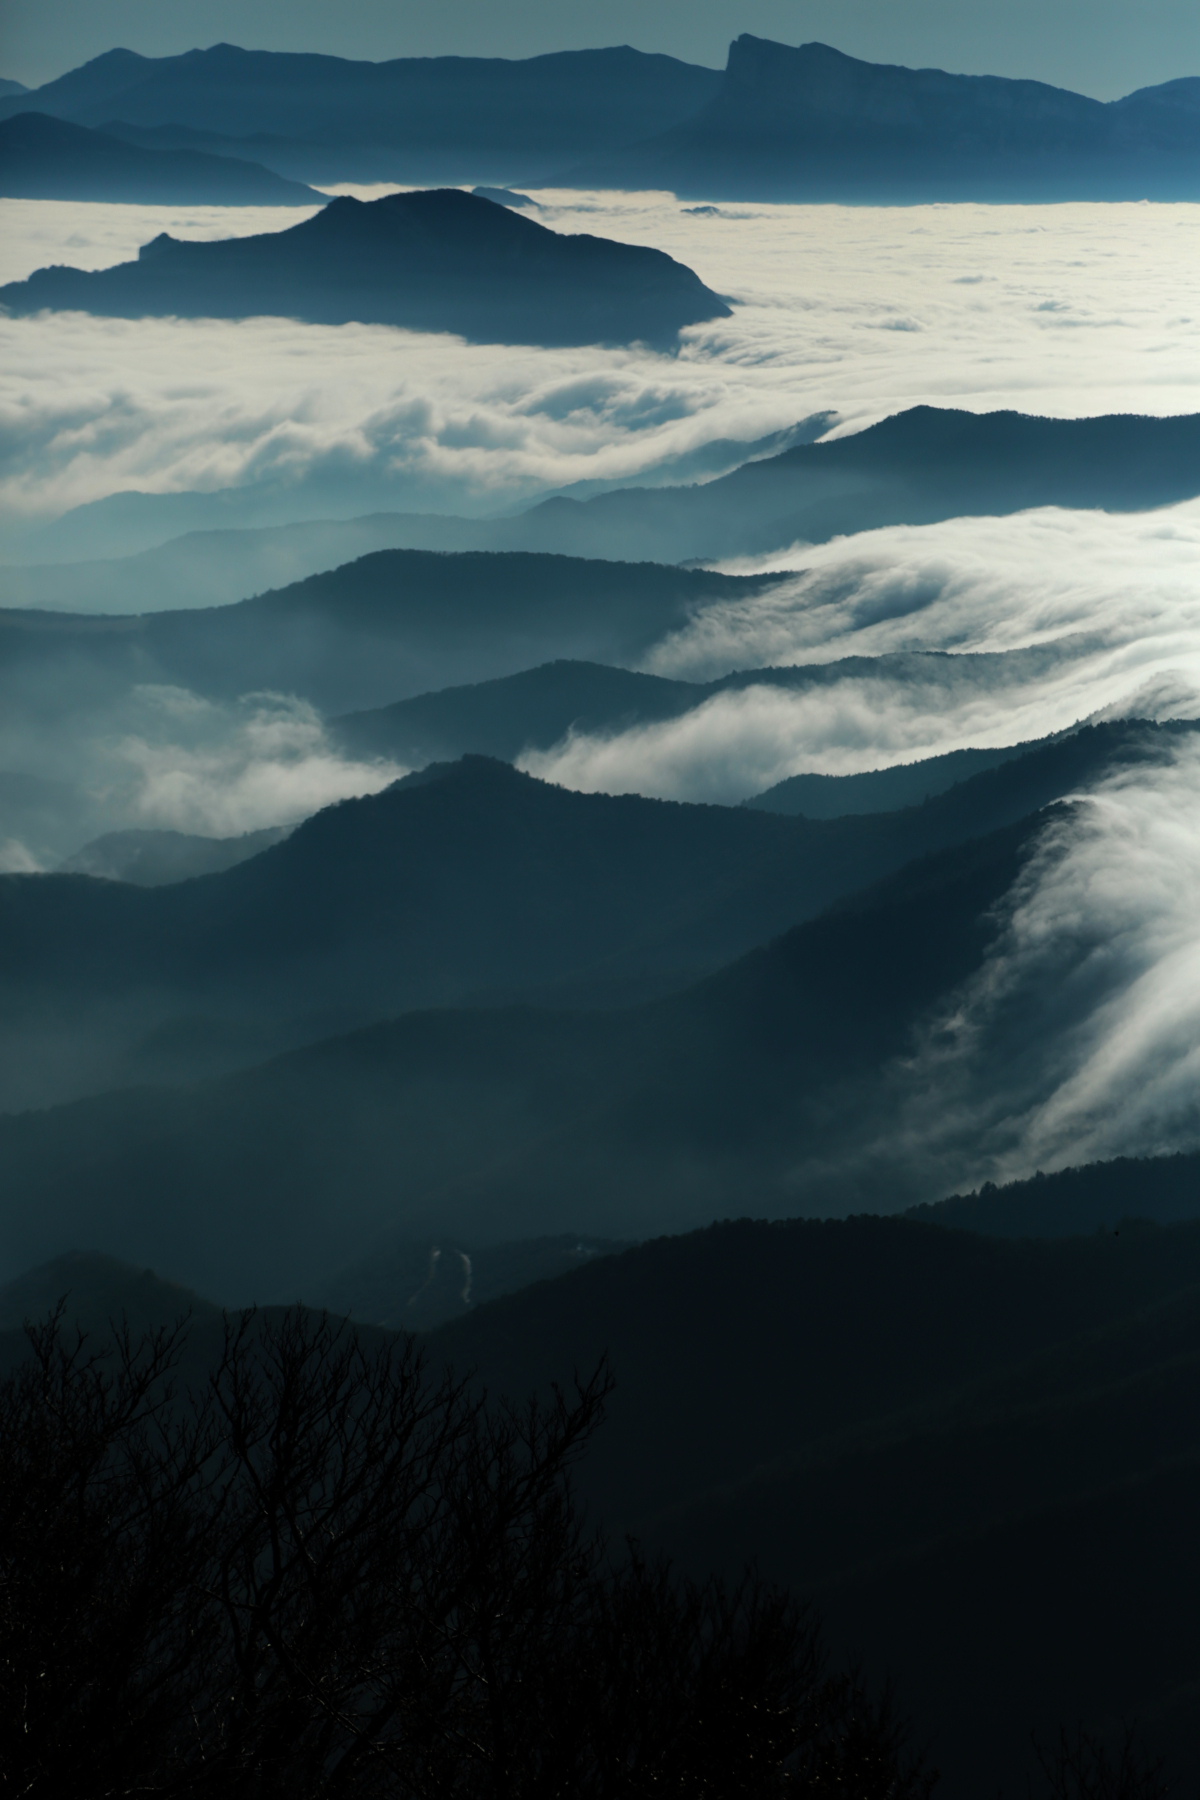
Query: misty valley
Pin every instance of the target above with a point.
(599, 929)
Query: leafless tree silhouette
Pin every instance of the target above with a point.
(336, 1573)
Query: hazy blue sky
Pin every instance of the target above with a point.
(1101, 47)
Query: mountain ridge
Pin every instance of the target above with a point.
(813, 124)
(421, 120)
(779, 122)
(43, 158)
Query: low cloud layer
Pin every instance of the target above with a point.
(221, 771)
(857, 311)
(169, 759)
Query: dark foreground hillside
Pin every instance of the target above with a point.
(980, 1457)
(1101, 1196)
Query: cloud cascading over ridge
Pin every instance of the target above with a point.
(1079, 1039)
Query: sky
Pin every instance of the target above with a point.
(1100, 47)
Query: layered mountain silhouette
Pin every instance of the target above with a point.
(392, 624)
(813, 124)
(916, 467)
(136, 552)
(157, 858)
(766, 1086)
(779, 123)
(879, 790)
(43, 158)
(435, 261)
(755, 1090)
(415, 119)
(543, 707)
(471, 880)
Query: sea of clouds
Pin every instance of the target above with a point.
(859, 311)
(1078, 1038)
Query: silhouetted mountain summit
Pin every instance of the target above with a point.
(435, 261)
(418, 119)
(43, 158)
(814, 124)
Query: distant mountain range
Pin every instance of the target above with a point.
(811, 124)
(916, 467)
(157, 858)
(42, 158)
(779, 123)
(419, 119)
(265, 534)
(435, 261)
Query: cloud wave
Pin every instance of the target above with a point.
(982, 631)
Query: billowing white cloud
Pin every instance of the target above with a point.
(192, 765)
(1080, 1037)
(977, 631)
(859, 311)
(17, 859)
